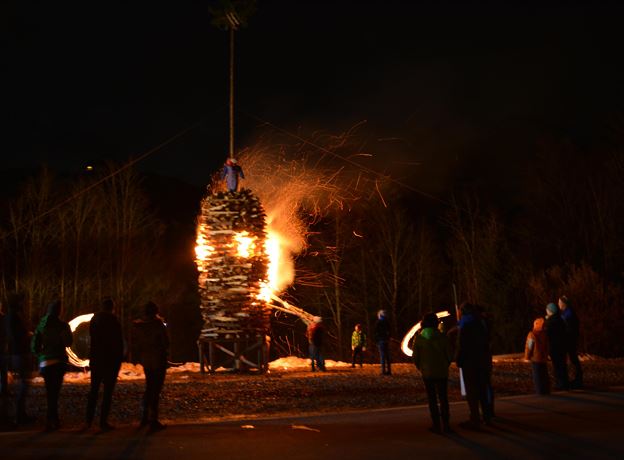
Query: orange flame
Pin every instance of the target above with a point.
(202, 250)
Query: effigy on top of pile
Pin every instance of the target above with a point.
(232, 263)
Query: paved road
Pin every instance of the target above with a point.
(580, 424)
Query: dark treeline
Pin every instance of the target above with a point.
(556, 231)
(63, 239)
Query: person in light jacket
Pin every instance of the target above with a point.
(536, 351)
(432, 356)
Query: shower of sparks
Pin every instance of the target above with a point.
(295, 193)
(74, 359)
(412, 332)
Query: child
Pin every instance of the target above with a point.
(358, 344)
(536, 351)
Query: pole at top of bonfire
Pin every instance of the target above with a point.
(234, 23)
(231, 15)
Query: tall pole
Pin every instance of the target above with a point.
(232, 90)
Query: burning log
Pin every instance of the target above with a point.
(232, 264)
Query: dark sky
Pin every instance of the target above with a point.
(444, 80)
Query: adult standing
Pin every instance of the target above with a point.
(105, 356)
(18, 336)
(152, 346)
(382, 338)
(475, 360)
(315, 333)
(556, 332)
(572, 338)
(51, 338)
(432, 356)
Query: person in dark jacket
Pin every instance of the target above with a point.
(18, 337)
(51, 338)
(536, 351)
(152, 342)
(105, 356)
(557, 345)
(382, 338)
(432, 356)
(475, 360)
(315, 333)
(572, 338)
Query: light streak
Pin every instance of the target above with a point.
(408, 337)
(288, 308)
(73, 324)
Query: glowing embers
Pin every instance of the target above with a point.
(74, 359)
(412, 332)
(232, 266)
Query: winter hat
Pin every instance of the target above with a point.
(552, 308)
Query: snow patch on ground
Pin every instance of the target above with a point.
(293, 362)
(131, 371)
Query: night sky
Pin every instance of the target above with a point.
(436, 81)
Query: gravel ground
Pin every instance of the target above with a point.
(191, 396)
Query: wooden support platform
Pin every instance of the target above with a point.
(237, 354)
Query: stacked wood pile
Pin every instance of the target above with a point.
(228, 282)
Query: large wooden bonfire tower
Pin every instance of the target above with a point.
(232, 265)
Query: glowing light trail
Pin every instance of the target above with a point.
(73, 324)
(408, 337)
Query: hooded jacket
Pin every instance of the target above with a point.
(358, 339)
(432, 354)
(536, 347)
(51, 338)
